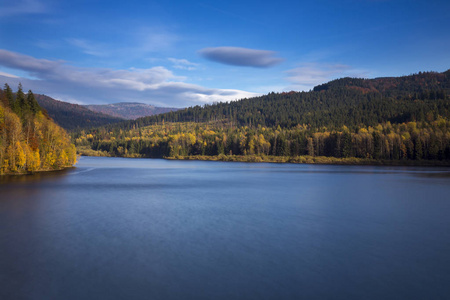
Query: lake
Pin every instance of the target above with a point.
(118, 228)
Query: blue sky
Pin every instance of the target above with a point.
(183, 53)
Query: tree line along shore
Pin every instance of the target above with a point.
(29, 140)
(389, 121)
(419, 143)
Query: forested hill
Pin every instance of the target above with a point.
(404, 120)
(129, 110)
(416, 85)
(73, 116)
(29, 140)
(348, 101)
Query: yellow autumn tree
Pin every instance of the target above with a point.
(32, 143)
(33, 160)
(21, 158)
(62, 160)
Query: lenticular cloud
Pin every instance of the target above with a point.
(241, 56)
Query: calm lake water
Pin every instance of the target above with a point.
(116, 228)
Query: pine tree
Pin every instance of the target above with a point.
(346, 142)
(376, 145)
(32, 104)
(9, 96)
(19, 104)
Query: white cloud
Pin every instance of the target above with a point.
(183, 64)
(151, 39)
(88, 47)
(7, 75)
(155, 85)
(241, 56)
(306, 76)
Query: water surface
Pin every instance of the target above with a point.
(116, 228)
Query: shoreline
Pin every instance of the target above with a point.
(318, 160)
(322, 160)
(36, 172)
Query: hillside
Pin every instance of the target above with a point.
(403, 120)
(349, 101)
(413, 85)
(73, 116)
(129, 110)
(29, 140)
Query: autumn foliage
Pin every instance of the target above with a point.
(397, 120)
(403, 143)
(29, 140)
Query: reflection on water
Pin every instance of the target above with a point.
(35, 177)
(154, 229)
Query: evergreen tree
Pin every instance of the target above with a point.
(377, 140)
(9, 96)
(32, 103)
(19, 104)
(346, 142)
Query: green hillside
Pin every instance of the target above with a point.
(402, 120)
(349, 101)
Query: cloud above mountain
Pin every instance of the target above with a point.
(156, 85)
(241, 56)
(308, 75)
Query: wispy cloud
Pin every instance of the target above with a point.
(27, 63)
(306, 76)
(241, 56)
(134, 79)
(88, 47)
(183, 64)
(8, 75)
(155, 85)
(22, 7)
(152, 39)
(136, 44)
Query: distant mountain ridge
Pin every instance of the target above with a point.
(129, 110)
(73, 116)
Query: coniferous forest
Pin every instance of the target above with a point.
(349, 101)
(29, 140)
(401, 120)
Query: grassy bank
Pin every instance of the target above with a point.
(305, 159)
